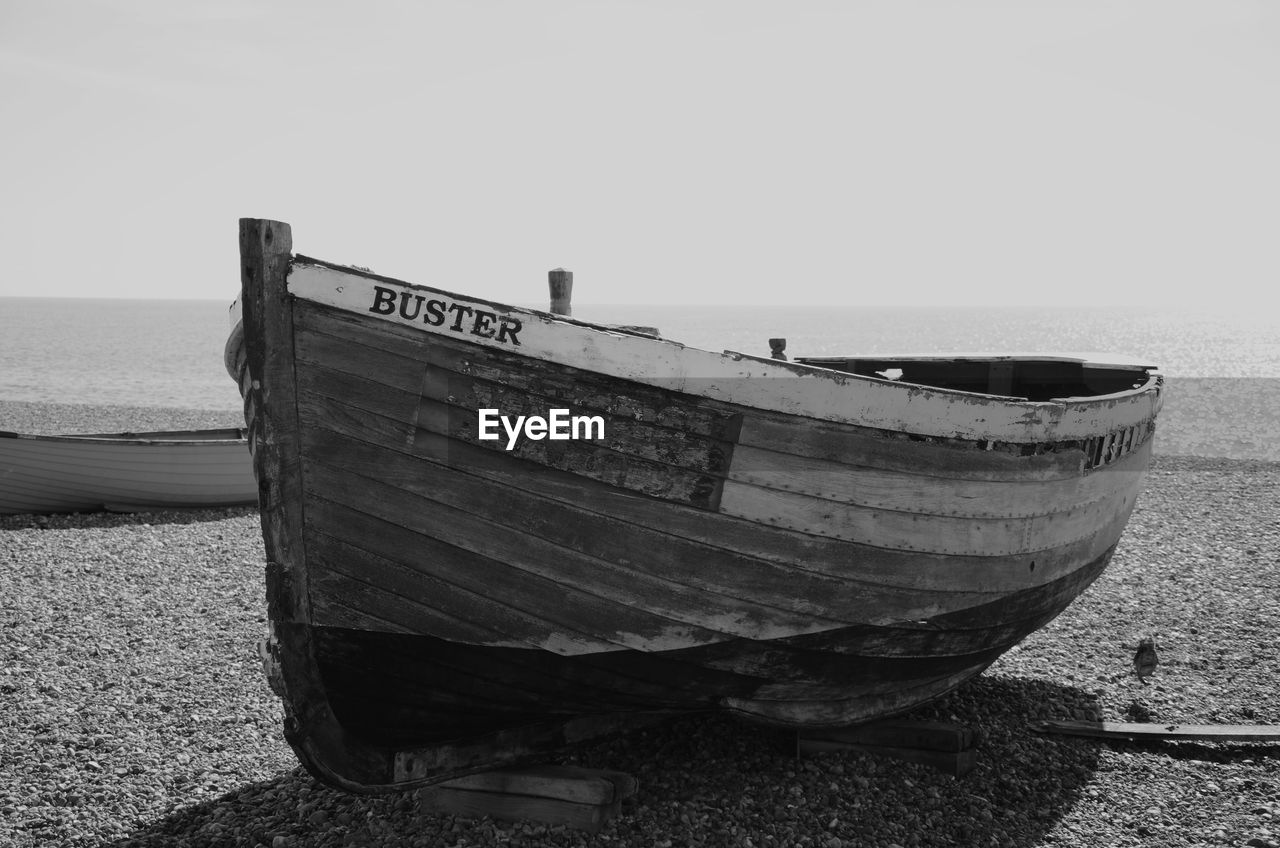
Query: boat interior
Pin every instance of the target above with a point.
(1024, 378)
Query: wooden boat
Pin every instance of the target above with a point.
(125, 472)
(807, 544)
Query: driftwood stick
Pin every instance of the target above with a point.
(1136, 731)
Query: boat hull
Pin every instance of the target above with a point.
(402, 690)
(127, 472)
(442, 603)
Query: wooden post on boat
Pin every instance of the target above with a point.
(561, 283)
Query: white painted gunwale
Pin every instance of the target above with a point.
(752, 381)
(1090, 359)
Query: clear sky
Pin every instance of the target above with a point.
(667, 151)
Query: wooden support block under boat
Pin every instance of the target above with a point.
(945, 746)
(926, 735)
(581, 798)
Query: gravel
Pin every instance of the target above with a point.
(54, 418)
(135, 711)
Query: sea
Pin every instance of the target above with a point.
(169, 353)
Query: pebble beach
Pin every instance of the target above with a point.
(135, 710)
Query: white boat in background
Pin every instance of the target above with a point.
(125, 472)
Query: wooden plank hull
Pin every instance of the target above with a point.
(403, 690)
(126, 472)
(790, 543)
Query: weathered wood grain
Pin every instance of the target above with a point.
(447, 686)
(392, 688)
(659, 461)
(524, 603)
(651, 461)
(781, 706)
(569, 589)
(898, 452)
(795, 551)
(419, 584)
(906, 531)
(841, 447)
(916, 493)
(893, 528)
(690, 568)
(352, 587)
(425, 679)
(801, 436)
(848, 673)
(327, 336)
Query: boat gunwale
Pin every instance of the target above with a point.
(1050, 445)
(1152, 378)
(800, 365)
